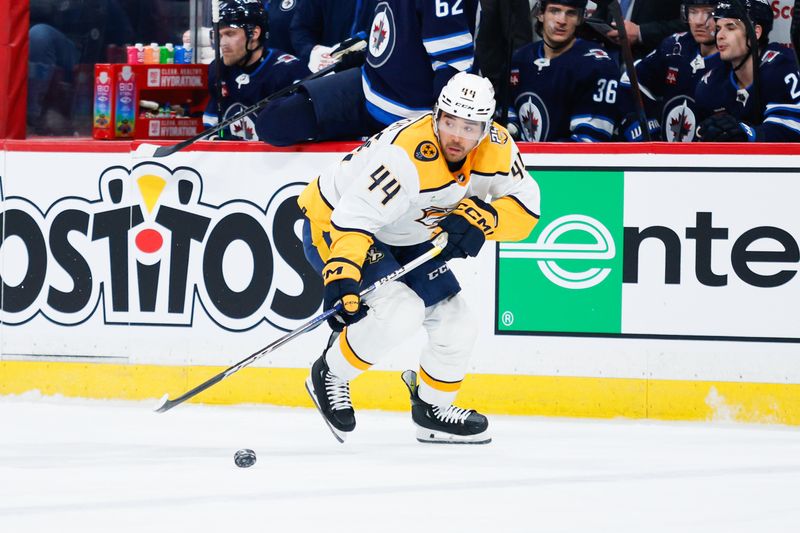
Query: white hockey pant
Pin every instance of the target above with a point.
(396, 313)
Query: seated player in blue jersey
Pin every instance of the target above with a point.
(669, 75)
(414, 48)
(563, 88)
(250, 71)
(730, 104)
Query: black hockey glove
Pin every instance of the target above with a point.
(723, 127)
(339, 288)
(467, 228)
(353, 58)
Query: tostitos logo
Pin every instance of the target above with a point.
(149, 251)
(564, 240)
(382, 36)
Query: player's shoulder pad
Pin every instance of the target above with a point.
(417, 141)
(591, 51)
(777, 64)
(493, 154)
(777, 54)
(521, 53)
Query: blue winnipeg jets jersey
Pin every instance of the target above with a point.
(668, 77)
(780, 96)
(414, 47)
(242, 88)
(568, 98)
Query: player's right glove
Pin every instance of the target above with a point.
(341, 285)
(723, 127)
(467, 228)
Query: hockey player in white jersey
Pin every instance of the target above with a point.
(452, 170)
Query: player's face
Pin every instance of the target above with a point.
(458, 136)
(731, 40)
(232, 44)
(559, 23)
(701, 24)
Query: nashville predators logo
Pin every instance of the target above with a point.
(432, 215)
(426, 151)
(373, 255)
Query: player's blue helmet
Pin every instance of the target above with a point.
(245, 14)
(758, 11)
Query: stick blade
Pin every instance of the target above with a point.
(163, 404)
(145, 151)
(164, 151)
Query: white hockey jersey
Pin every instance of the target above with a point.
(397, 186)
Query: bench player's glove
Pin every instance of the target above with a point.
(467, 228)
(723, 127)
(341, 286)
(349, 52)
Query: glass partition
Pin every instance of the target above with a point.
(68, 37)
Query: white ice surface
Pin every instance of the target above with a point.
(116, 467)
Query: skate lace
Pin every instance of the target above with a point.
(338, 391)
(452, 414)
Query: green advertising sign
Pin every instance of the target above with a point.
(567, 276)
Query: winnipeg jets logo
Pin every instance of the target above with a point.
(679, 120)
(533, 117)
(769, 56)
(287, 5)
(245, 128)
(597, 53)
(285, 58)
(381, 36)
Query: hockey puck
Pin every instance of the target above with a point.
(244, 458)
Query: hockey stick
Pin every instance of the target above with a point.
(349, 46)
(439, 242)
(217, 62)
(627, 55)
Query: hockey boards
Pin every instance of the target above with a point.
(438, 244)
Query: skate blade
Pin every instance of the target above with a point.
(439, 437)
(339, 435)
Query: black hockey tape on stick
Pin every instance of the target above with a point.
(627, 55)
(439, 242)
(146, 150)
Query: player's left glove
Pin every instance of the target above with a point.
(467, 228)
(723, 127)
(341, 286)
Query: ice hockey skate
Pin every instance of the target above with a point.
(449, 425)
(331, 395)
